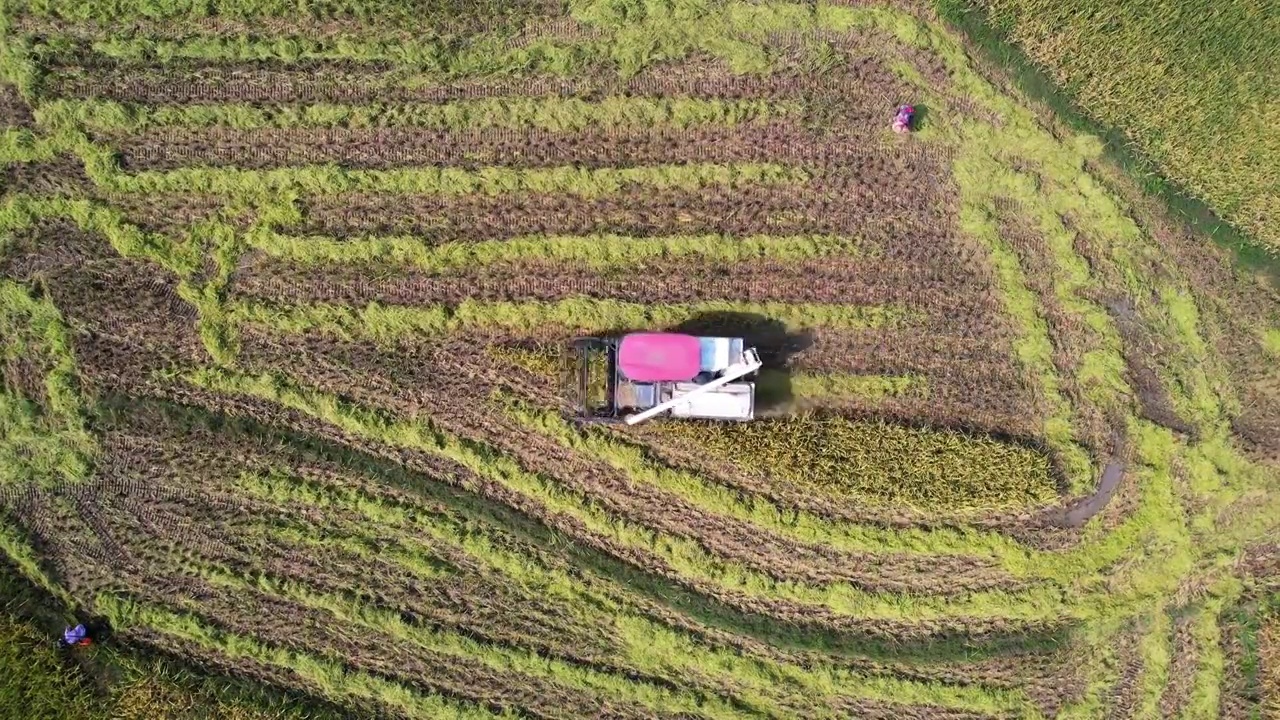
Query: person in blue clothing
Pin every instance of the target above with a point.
(77, 636)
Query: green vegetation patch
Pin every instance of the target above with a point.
(333, 180)
(387, 324)
(377, 12)
(878, 463)
(511, 113)
(1177, 79)
(42, 416)
(600, 251)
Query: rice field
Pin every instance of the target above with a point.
(285, 293)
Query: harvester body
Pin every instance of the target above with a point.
(647, 374)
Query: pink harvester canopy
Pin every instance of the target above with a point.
(659, 357)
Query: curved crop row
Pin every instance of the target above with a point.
(650, 647)
(802, 526)
(380, 615)
(327, 675)
(684, 557)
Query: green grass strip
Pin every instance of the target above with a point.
(1095, 653)
(594, 251)
(20, 212)
(42, 439)
(480, 55)
(420, 560)
(330, 677)
(326, 180)
(1205, 701)
(714, 499)
(685, 557)
(22, 555)
(645, 642)
(1155, 646)
(552, 114)
(388, 323)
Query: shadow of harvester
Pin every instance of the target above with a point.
(771, 338)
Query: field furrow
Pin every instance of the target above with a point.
(882, 205)
(853, 151)
(832, 281)
(863, 75)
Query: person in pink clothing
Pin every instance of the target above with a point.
(902, 121)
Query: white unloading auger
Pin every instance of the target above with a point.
(749, 363)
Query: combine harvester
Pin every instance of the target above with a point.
(648, 374)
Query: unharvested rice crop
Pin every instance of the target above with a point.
(876, 462)
(1176, 79)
